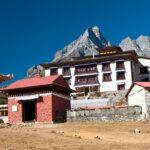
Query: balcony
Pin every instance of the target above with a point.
(86, 70)
(86, 81)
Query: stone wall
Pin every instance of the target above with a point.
(116, 97)
(111, 114)
(76, 104)
(147, 97)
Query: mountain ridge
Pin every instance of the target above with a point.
(87, 43)
(141, 45)
(83, 46)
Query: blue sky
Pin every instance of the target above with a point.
(32, 30)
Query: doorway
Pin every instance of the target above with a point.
(29, 111)
(86, 91)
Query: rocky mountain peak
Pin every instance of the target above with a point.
(85, 45)
(141, 45)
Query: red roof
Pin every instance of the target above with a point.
(143, 84)
(38, 81)
(5, 77)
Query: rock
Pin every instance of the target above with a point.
(4, 125)
(97, 137)
(34, 70)
(137, 131)
(141, 45)
(53, 131)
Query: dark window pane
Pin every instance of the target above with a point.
(120, 75)
(106, 67)
(66, 71)
(145, 79)
(54, 71)
(120, 65)
(107, 77)
(121, 87)
(144, 70)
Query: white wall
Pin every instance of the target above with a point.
(142, 62)
(128, 74)
(60, 71)
(112, 85)
(4, 118)
(104, 86)
(72, 79)
(137, 97)
(47, 72)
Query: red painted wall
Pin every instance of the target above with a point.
(46, 108)
(14, 117)
(59, 104)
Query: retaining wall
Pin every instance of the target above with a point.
(112, 114)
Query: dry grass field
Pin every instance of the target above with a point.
(77, 136)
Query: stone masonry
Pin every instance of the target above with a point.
(112, 114)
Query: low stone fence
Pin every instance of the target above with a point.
(111, 114)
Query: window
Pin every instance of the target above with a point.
(121, 75)
(121, 87)
(83, 91)
(66, 71)
(144, 70)
(80, 91)
(106, 67)
(107, 77)
(94, 89)
(120, 65)
(54, 71)
(3, 113)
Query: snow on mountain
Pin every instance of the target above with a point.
(141, 45)
(85, 45)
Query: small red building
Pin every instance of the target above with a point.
(38, 99)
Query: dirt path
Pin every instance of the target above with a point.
(77, 136)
